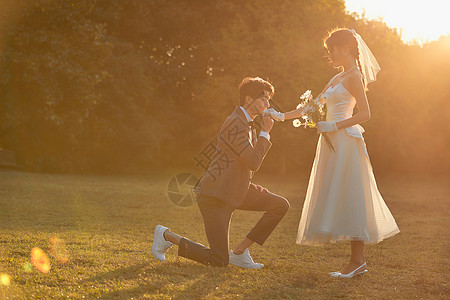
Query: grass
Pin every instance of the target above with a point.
(107, 224)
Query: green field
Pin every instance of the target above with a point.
(107, 224)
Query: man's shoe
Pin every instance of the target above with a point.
(244, 260)
(160, 245)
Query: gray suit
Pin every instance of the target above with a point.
(226, 186)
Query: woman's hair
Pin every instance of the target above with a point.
(254, 87)
(343, 37)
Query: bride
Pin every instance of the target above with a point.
(342, 200)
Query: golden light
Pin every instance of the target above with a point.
(28, 267)
(418, 21)
(58, 249)
(40, 260)
(4, 279)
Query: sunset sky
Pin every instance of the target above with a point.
(418, 20)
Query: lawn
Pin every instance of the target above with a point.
(107, 224)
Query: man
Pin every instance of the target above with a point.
(226, 185)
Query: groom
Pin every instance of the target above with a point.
(226, 185)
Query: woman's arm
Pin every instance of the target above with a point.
(297, 113)
(355, 86)
(293, 114)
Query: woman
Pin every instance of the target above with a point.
(342, 201)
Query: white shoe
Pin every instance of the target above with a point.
(351, 274)
(244, 260)
(160, 244)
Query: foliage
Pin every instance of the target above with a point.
(127, 86)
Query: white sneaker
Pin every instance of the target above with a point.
(160, 245)
(244, 260)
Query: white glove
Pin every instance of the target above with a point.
(277, 116)
(324, 126)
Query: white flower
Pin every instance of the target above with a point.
(296, 123)
(306, 95)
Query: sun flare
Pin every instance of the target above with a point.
(418, 21)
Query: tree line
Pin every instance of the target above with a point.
(131, 86)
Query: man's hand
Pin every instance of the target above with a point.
(266, 123)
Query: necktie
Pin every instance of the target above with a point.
(253, 125)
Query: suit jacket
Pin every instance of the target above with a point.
(235, 161)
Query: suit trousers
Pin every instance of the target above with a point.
(217, 216)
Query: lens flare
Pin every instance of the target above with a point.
(4, 279)
(28, 267)
(58, 249)
(40, 260)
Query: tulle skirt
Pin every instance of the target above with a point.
(342, 200)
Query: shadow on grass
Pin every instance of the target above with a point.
(127, 273)
(206, 283)
(180, 279)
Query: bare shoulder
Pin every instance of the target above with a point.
(354, 82)
(355, 77)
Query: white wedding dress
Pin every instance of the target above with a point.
(342, 200)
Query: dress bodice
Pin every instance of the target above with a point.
(340, 105)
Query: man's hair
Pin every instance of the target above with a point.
(254, 87)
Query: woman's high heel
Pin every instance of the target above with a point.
(351, 274)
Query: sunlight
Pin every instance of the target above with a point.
(5, 279)
(58, 250)
(40, 260)
(418, 21)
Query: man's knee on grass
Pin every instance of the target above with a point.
(218, 261)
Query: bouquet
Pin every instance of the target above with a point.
(313, 112)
